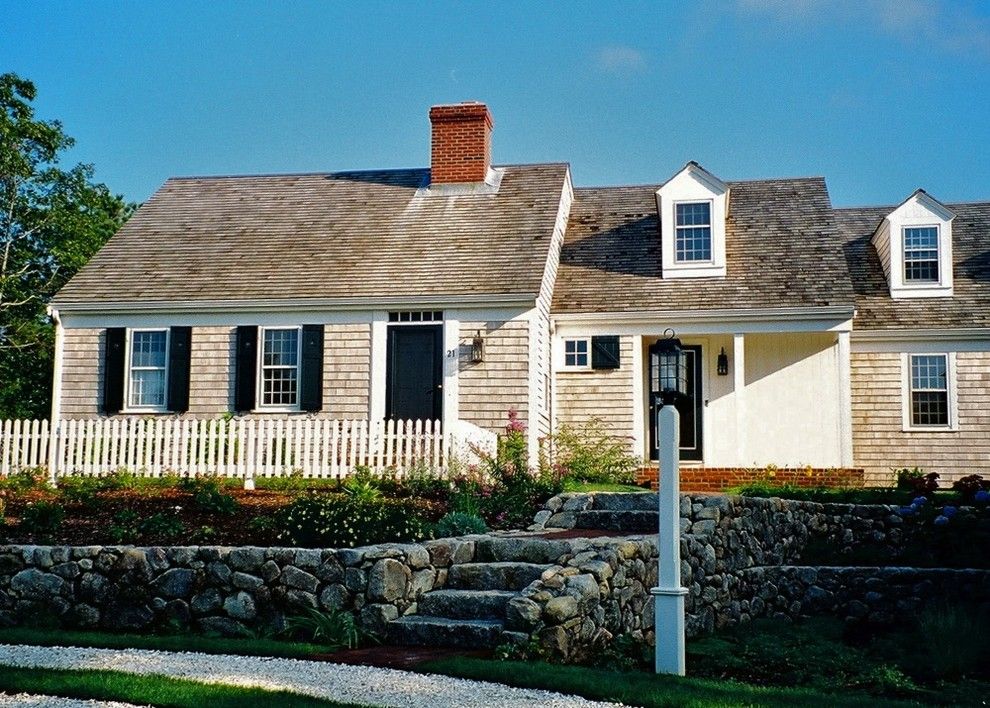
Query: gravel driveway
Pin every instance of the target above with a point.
(350, 684)
(25, 700)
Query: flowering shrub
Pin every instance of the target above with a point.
(971, 486)
(341, 521)
(42, 518)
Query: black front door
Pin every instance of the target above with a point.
(414, 372)
(688, 407)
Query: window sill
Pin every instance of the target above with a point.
(261, 411)
(144, 411)
(930, 429)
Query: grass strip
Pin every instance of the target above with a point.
(147, 690)
(640, 688)
(162, 642)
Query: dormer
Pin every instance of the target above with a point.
(914, 243)
(693, 206)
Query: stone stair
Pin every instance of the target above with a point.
(470, 612)
(628, 512)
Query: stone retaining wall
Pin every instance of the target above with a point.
(226, 590)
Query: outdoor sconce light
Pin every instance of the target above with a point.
(723, 363)
(477, 349)
(670, 364)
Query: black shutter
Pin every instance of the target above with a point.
(113, 370)
(604, 352)
(179, 346)
(246, 367)
(311, 370)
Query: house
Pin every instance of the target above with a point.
(836, 339)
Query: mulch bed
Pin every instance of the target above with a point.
(89, 523)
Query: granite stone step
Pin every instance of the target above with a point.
(421, 630)
(628, 521)
(494, 576)
(528, 550)
(466, 604)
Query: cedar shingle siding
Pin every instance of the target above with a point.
(879, 443)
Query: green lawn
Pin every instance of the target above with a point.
(637, 688)
(147, 690)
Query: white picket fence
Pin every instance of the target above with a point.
(240, 448)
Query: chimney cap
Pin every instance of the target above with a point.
(463, 111)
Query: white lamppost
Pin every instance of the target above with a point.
(670, 366)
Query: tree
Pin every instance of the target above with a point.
(52, 221)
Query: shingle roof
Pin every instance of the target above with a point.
(335, 235)
(782, 250)
(969, 307)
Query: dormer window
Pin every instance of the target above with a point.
(921, 254)
(914, 243)
(693, 206)
(694, 232)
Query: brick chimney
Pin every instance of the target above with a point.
(461, 149)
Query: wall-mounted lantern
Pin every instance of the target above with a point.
(670, 368)
(723, 363)
(477, 348)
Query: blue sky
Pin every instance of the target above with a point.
(879, 97)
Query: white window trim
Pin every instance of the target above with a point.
(920, 210)
(711, 234)
(938, 283)
(907, 422)
(562, 360)
(259, 406)
(128, 408)
(693, 184)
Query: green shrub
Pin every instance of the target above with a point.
(120, 479)
(341, 521)
(80, 490)
(592, 453)
(164, 526)
(458, 524)
(209, 495)
(362, 486)
(336, 629)
(42, 518)
(124, 527)
(25, 480)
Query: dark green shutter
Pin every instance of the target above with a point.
(311, 371)
(179, 346)
(605, 352)
(113, 370)
(246, 367)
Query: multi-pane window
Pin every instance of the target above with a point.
(146, 369)
(921, 254)
(576, 353)
(693, 227)
(416, 316)
(280, 367)
(929, 390)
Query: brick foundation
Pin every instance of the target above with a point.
(719, 479)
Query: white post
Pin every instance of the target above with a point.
(668, 597)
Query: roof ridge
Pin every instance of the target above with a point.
(316, 173)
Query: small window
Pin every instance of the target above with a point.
(147, 369)
(693, 232)
(929, 390)
(921, 254)
(279, 368)
(576, 353)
